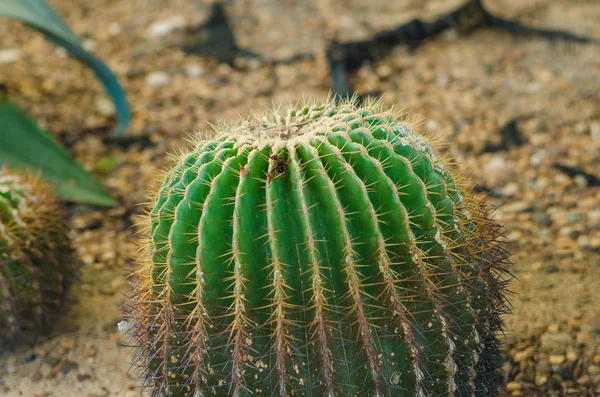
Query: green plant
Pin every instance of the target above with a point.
(40, 16)
(23, 144)
(35, 257)
(324, 251)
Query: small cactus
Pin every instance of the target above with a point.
(35, 255)
(327, 251)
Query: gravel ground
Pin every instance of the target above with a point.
(469, 90)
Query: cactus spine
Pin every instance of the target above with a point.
(329, 251)
(34, 255)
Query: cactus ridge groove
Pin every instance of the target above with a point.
(328, 250)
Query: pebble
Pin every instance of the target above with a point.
(572, 356)
(524, 355)
(104, 106)
(542, 219)
(543, 366)
(157, 79)
(36, 377)
(558, 343)
(594, 369)
(513, 386)
(45, 370)
(510, 189)
(165, 27)
(9, 55)
(593, 218)
(584, 380)
(537, 266)
(194, 70)
(556, 359)
(541, 380)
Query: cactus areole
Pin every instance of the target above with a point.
(327, 250)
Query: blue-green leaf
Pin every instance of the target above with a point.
(24, 145)
(42, 17)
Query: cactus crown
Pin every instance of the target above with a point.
(325, 251)
(35, 261)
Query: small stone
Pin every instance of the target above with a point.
(541, 380)
(565, 372)
(165, 27)
(513, 386)
(556, 359)
(36, 377)
(584, 380)
(9, 55)
(537, 266)
(89, 45)
(194, 70)
(593, 218)
(157, 79)
(46, 370)
(559, 343)
(543, 366)
(510, 189)
(572, 355)
(594, 370)
(384, 70)
(114, 28)
(104, 106)
(553, 329)
(524, 355)
(580, 180)
(574, 217)
(542, 219)
(585, 338)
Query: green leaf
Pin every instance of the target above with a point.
(24, 145)
(42, 17)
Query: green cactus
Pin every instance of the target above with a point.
(35, 263)
(327, 251)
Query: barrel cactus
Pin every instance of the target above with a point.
(35, 264)
(325, 251)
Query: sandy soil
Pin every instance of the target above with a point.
(464, 88)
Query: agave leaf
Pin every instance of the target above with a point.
(39, 15)
(24, 145)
